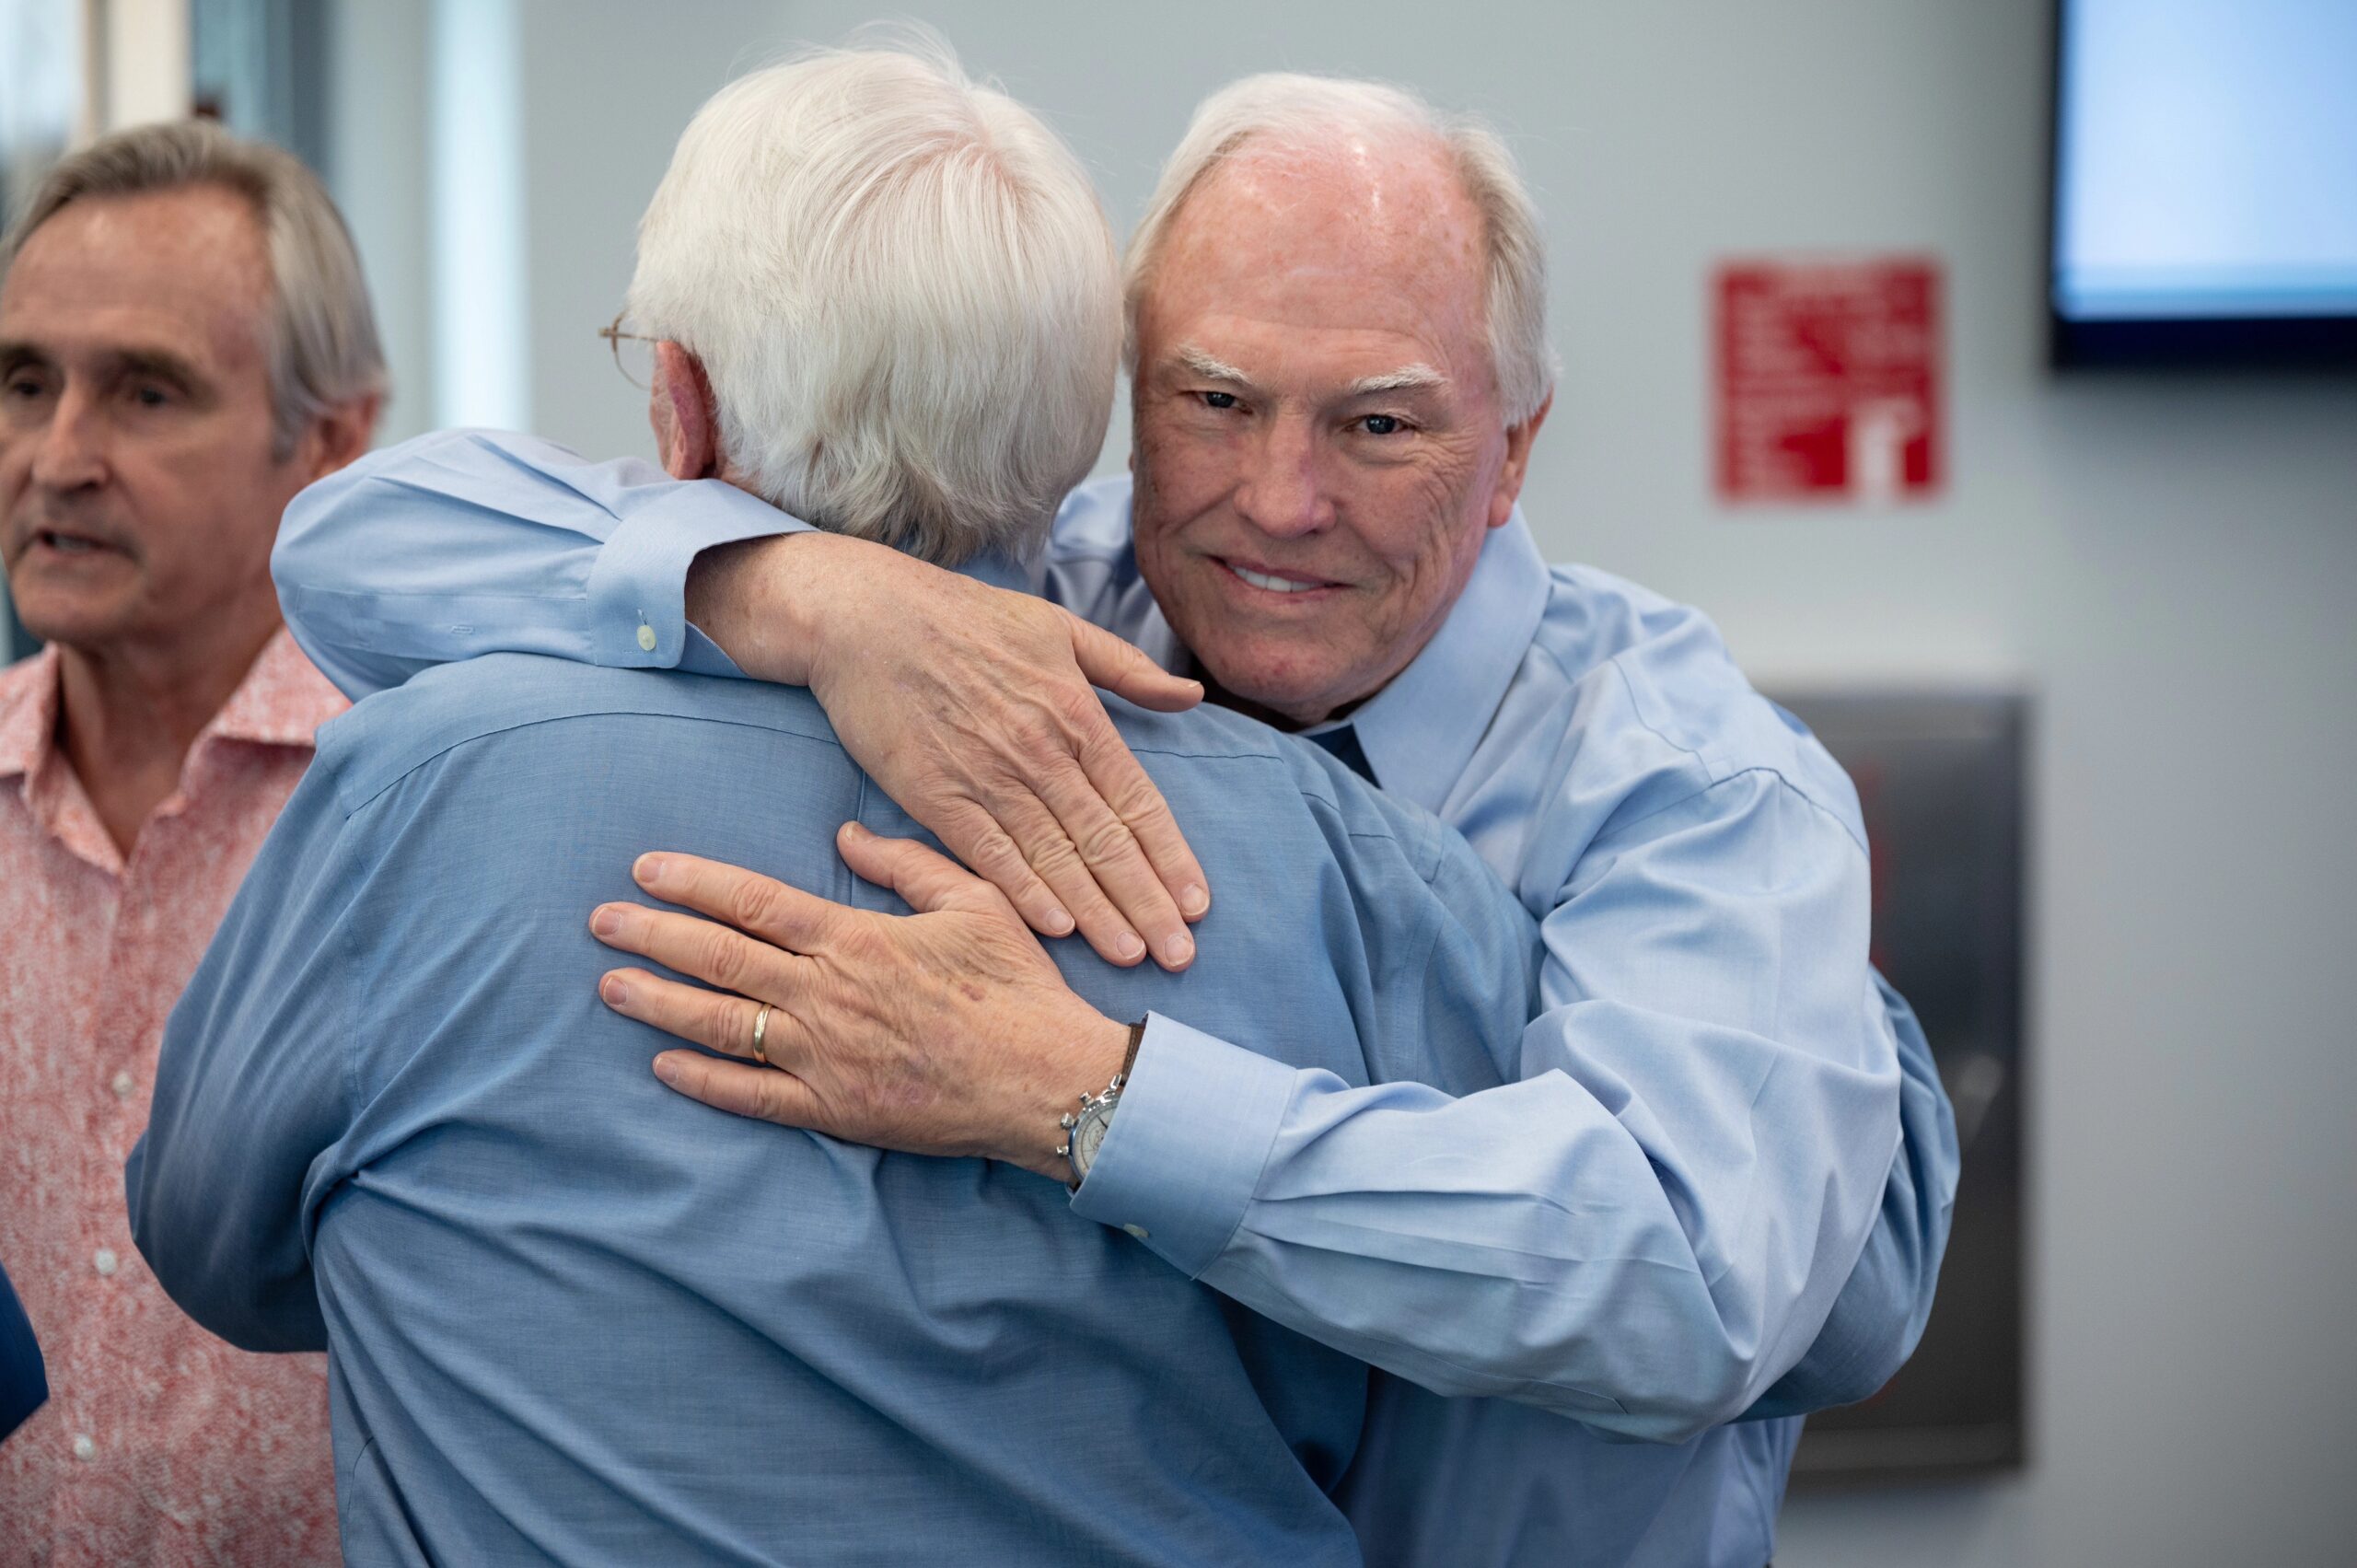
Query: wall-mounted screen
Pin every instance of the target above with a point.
(2205, 182)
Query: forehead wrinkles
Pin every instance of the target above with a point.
(1352, 233)
(189, 263)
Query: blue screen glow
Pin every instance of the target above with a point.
(2206, 159)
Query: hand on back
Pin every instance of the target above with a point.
(976, 709)
(944, 1032)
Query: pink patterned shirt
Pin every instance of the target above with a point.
(160, 1445)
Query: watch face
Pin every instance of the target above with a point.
(1090, 1136)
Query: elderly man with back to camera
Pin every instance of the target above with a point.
(1337, 329)
(574, 1317)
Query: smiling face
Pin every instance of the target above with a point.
(139, 489)
(1319, 443)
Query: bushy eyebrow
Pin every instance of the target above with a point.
(1414, 378)
(1208, 365)
(160, 364)
(14, 352)
(163, 365)
(1406, 379)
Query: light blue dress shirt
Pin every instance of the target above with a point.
(1698, 865)
(572, 1317)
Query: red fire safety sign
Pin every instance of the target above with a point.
(1828, 380)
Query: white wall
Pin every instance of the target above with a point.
(2166, 564)
(140, 69)
(380, 169)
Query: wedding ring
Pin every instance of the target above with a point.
(760, 1029)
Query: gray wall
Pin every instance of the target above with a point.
(2165, 563)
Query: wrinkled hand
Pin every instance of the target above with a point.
(944, 1032)
(976, 709)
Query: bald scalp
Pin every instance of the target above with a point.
(1294, 124)
(1345, 235)
(1400, 194)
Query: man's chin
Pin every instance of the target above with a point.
(1279, 690)
(70, 620)
(1288, 676)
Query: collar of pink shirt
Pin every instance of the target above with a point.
(282, 702)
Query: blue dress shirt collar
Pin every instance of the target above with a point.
(1420, 731)
(999, 570)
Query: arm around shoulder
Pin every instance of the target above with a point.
(470, 541)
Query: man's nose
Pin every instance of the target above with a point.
(1284, 493)
(70, 451)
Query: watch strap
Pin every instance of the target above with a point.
(1101, 1106)
(1130, 1058)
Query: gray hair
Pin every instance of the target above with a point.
(904, 293)
(1302, 111)
(320, 339)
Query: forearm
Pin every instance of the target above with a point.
(756, 599)
(1513, 1243)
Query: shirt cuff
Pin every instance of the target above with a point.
(1183, 1154)
(638, 590)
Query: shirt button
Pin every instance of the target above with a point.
(646, 636)
(105, 1261)
(121, 1086)
(83, 1448)
(1136, 1230)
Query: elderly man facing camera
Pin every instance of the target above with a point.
(575, 1317)
(185, 342)
(1323, 525)
(1337, 317)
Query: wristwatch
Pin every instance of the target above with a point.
(1085, 1129)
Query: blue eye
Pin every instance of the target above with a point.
(1381, 423)
(1219, 400)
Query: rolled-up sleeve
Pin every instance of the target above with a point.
(473, 542)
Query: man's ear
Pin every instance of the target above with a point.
(339, 434)
(1517, 464)
(686, 419)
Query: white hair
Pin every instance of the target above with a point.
(320, 335)
(903, 290)
(1310, 113)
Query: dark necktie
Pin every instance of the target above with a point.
(1343, 742)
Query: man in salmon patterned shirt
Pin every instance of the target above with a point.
(185, 342)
